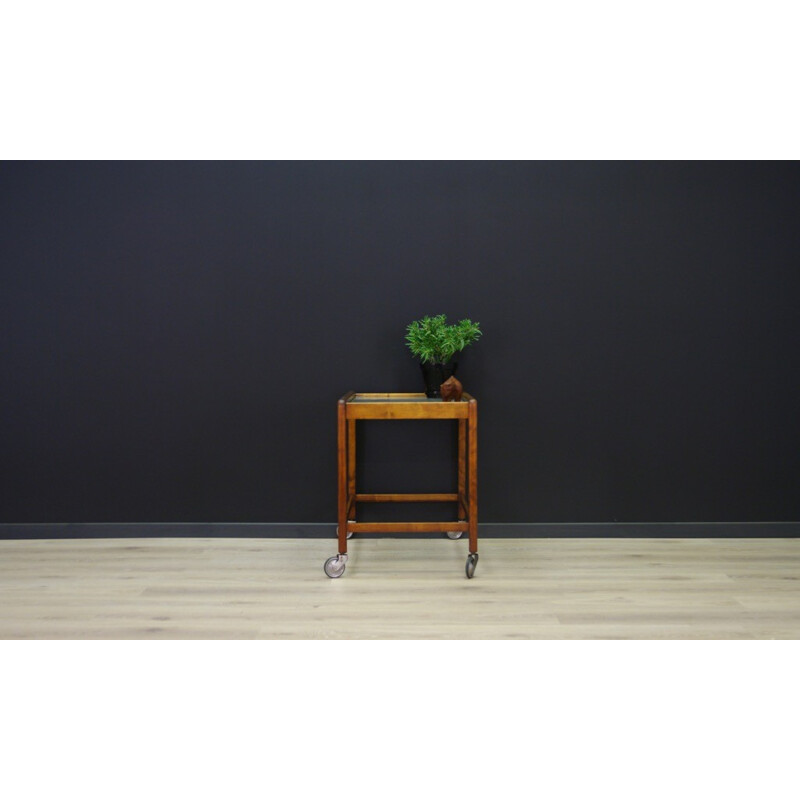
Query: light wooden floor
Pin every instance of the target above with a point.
(396, 588)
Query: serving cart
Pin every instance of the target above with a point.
(355, 406)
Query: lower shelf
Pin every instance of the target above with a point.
(407, 527)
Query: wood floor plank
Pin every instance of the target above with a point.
(400, 588)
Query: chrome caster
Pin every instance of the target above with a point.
(472, 561)
(334, 566)
(349, 533)
(454, 534)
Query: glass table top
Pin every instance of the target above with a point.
(395, 398)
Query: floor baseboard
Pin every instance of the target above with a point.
(666, 530)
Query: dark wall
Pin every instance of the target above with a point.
(175, 336)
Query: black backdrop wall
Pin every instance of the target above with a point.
(175, 336)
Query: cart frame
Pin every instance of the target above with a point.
(406, 405)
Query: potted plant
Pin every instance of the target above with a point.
(434, 343)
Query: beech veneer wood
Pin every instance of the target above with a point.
(407, 405)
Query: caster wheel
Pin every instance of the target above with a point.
(349, 535)
(472, 561)
(334, 566)
(454, 534)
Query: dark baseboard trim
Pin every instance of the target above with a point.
(318, 530)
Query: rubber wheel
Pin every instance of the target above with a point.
(334, 567)
(454, 534)
(472, 561)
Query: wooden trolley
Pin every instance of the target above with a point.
(355, 406)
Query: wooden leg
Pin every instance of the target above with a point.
(462, 469)
(473, 476)
(351, 468)
(342, 454)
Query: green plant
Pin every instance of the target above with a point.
(433, 341)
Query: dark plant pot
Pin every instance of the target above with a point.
(435, 375)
